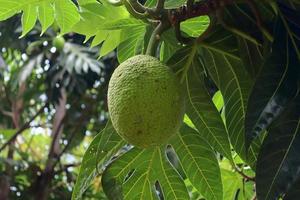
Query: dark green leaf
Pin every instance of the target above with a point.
(279, 161)
(294, 192)
(199, 163)
(199, 105)
(274, 87)
(228, 73)
(252, 56)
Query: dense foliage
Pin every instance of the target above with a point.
(239, 62)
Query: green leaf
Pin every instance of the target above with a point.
(241, 20)
(45, 15)
(274, 87)
(97, 20)
(66, 14)
(123, 24)
(103, 147)
(232, 183)
(135, 174)
(199, 105)
(228, 73)
(294, 192)
(199, 162)
(169, 45)
(133, 43)
(278, 161)
(29, 18)
(99, 37)
(111, 42)
(10, 8)
(194, 27)
(252, 56)
(174, 3)
(218, 100)
(291, 18)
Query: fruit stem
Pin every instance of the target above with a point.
(156, 36)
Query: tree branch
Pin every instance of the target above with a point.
(200, 8)
(155, 37)
(6, 113)
(24, 127)
(246, 177)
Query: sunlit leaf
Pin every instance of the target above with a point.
(104, 145)
(199, 105)
(199, 163)
(135, 174)
(234, 83)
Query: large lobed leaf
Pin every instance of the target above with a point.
(226, 69)
(278, 161)
(103, 147)
(199, 105)
(135, 174)
(66, 13)
(199, 163)
(275, 85)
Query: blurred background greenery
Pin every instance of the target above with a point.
(52, 94)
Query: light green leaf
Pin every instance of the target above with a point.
(232, 183)
(235, 187)
(218, 100)
(234, 83)
(194, 27)
(133, 43)
(111, 42)
(102, 148)
(45, 15)
(123, 24)
(199, 163)
(29, 18)
(100, 37)
(66, 14)
(135, 174)
(199, 105)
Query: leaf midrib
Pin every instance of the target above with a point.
(203, 121)
(199, 169)
(284, 157)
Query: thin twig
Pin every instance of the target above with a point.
(65, 148)
(24, 127)
(246, 177)
(7, 113)
(155, 37)
(201, 8)
(65, 167)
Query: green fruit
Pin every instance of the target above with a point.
(58, 42)
(145, 101)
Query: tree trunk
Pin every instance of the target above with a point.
(16, 107)
(42, 184)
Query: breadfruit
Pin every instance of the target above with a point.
(145, 101)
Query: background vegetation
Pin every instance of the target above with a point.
(239, 61)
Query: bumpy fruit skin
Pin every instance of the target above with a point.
(145, 101)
